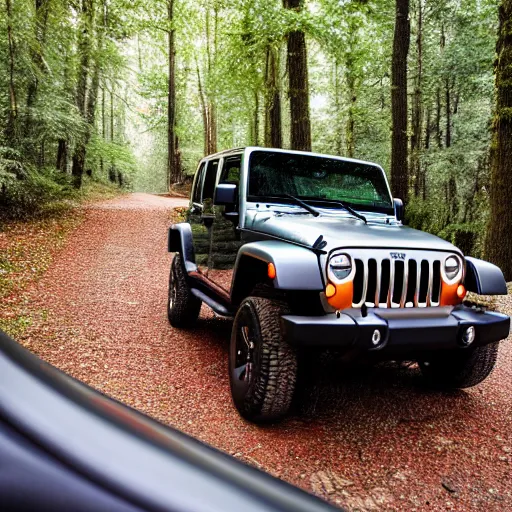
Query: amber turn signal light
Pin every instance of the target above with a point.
(271, 271)
(461, 291)
(330, 291)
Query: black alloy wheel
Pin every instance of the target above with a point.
(262, 365)
(183, 306)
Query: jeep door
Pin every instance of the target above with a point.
(225, 238)
(201, 210)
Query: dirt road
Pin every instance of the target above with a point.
(366, 439)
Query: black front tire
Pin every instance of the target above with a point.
(262, 365)
(182, 306)
(460, 369)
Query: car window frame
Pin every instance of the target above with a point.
(226, 160)
(198, 184)
(220, 164)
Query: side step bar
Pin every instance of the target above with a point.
(219, 309)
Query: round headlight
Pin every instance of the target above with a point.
(452, 267)
(340, 267)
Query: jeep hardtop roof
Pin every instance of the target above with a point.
(234, 151)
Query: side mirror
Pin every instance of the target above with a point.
(225, 195)
(399, 209)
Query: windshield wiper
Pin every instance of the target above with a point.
(304, 205)
(346, 207)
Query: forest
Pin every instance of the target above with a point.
(135, 92)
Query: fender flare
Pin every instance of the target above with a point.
(484, 278)
(297, 268)
(180, 240)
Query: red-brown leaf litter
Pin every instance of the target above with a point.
(364, 438)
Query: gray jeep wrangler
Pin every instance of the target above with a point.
(308, 251)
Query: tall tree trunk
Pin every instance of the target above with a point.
(498, 246)
(212, 128)
(12, 122)
(297, 63)
(339, 115)
(428, 127)
(417, 110)
(350, 129)
(84, 51)
(399, 171)
(204, 110)
(439, 133)
(255, 125)
(421, 183)
(62, 155)
(209, 109)
(37, 57)
(112, 176)
(351, 76)
(273, 127)
(103, 90)
(448, 134)
(173, 171)
(92, 99)
(112, 114)
(103, 123)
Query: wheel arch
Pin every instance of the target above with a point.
(180, 240)
(297, 268)
(484, 278)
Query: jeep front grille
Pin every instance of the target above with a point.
(383, 281)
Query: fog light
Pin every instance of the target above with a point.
(468, 336)
(376, 337)
(461, 291)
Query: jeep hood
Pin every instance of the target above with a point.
(343, 232)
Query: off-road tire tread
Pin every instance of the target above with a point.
(186, 308)
(271, 396)
(462, 370)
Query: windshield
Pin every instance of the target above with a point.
(319, 179)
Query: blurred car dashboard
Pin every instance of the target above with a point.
(65, 446)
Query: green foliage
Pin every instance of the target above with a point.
(43, 124)
(111, 155)
(433, 217)
(11, 167)
(30, 195)
(467, 237)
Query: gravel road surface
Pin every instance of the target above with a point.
(366, 439)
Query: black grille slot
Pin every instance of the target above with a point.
(399, 281)
(422, 295)
(436, 284)
(384, 281)
(358, 282)
(372, 281)
(412, 281)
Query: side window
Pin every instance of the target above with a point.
(210, 179)
(231, 170)
(198, 185)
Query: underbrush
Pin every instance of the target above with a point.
(93, 190)
(31, 193)
(48, 193)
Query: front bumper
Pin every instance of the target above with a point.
(401, 330)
